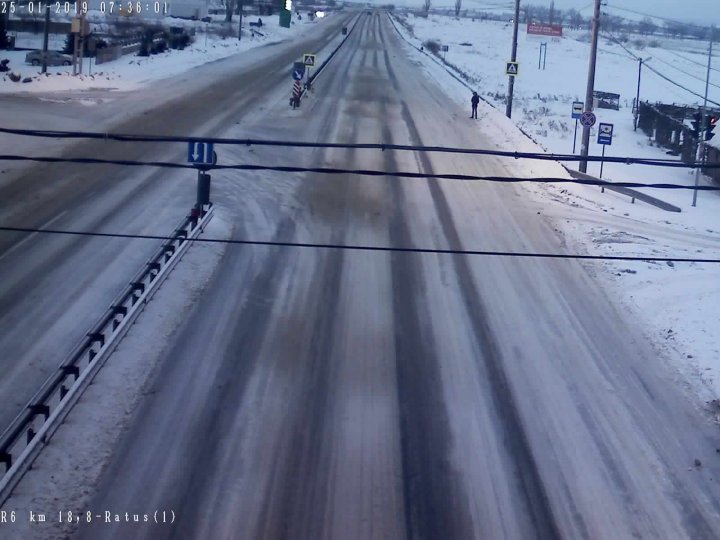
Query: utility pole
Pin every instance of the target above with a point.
(82, 41)
(585, 146)
(513, 58)
(45, 38)
(637, 98)
(240, 23)
(703, 120)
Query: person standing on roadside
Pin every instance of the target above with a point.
(474, 102)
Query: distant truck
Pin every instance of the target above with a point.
(188, 9)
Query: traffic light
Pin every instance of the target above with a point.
(710, 126)
(695, 123)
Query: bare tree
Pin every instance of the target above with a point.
(676, 29)
(229, 6)
(574, 18)
(551, 15)
(529, 12)
(458, 7)
(426, 6)
(612, 23)
(647, 26)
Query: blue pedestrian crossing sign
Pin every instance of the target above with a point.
(201, 153)
(309, 59)
(605, 133)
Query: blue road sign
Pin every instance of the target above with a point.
(298, 71)
(200, 152)
(577, 109)
(605, 133)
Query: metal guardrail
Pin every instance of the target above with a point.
(32, 429)
(632, 193)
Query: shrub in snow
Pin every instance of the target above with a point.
(14, 77)
(432, 46)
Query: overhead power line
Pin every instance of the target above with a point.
(358, 146)
(369, 172)
(355, 247)
(691, 75)
(686, 59)
(653, 16)
(661, 75)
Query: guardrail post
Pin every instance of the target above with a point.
(71, 370)
(203, 190)
(181, 235)
(154, 269)
(118, 310)
(40, 408)
(137, 287)
(169, 250)
(97, 337)
(6, 458)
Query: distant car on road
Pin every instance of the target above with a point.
(54, 58)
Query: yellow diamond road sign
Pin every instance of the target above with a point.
(511, 68)
(309, 60)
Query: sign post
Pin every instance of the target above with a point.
(444, 49)
(605, 136)
(543, 55)
(577, 110)
(308, 62)
(202, 155)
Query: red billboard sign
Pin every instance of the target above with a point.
(550, 30)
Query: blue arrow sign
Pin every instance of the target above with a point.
(200, 152)
(298, 71)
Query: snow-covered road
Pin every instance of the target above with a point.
(53, 289)
(343, 394)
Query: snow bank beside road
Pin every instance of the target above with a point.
(678, 302)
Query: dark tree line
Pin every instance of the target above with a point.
(612, 23)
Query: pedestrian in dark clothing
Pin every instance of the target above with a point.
(474, 102)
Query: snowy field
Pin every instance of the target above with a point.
(131, 71)
(679, 301)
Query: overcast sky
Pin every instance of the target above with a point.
(701, 11)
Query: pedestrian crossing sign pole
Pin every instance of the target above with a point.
(309, 62)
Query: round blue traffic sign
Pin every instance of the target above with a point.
(588, 119)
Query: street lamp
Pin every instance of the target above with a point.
(637, 98)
